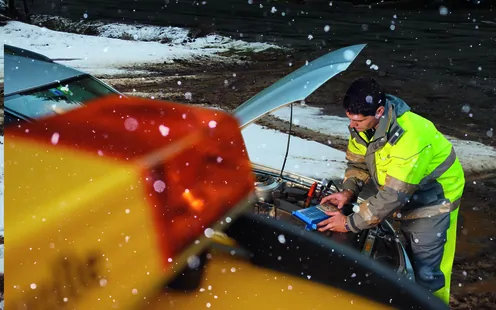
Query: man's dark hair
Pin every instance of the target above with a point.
(364, 96)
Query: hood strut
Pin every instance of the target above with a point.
(289, 139)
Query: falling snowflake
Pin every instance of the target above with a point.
(193, 262)
(209, 232)
(349, 55)
(159, 186)
(164, 130)
(466, 108)
(55, 138)
(131, 124)
(443, 10)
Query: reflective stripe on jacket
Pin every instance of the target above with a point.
(413, 165)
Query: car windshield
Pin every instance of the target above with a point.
(56, 98)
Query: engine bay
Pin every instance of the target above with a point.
(278, 197)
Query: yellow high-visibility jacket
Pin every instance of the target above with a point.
(413, 165)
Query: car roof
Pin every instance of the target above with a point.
(20, 64)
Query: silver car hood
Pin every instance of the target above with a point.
(298, 85)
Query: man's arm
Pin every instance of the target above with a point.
(357, 173)
(404, 173)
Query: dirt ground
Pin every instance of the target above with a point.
(228, 85)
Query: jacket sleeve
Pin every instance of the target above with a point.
(408, 166)
(356, 173)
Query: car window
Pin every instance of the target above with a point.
(57, 98)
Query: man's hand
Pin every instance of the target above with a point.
(339, 199)
(334, 223)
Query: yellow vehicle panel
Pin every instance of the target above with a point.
(65, 244)
(101, 211)
(234, 283)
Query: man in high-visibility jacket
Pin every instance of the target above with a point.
(419, 178)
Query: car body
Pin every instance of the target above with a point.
(276, 194)
(36, 86)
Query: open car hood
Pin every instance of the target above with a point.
(298, 85)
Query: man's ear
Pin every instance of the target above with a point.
(379, 112)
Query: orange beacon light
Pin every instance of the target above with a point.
(105, 202)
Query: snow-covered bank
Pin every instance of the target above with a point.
(308, 158)
(106, 54)
(474, 156)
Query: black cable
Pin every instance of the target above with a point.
(337, 188)
(289, 137)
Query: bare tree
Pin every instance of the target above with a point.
(13, 13)
(26, 10)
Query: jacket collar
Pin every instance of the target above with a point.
(394, 108)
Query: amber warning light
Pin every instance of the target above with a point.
(104, 201)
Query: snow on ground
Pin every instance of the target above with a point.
(474, 156)
(308, 158)
(106, 54)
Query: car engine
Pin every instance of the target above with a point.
(278, 198)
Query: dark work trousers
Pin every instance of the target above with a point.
(430, 244)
